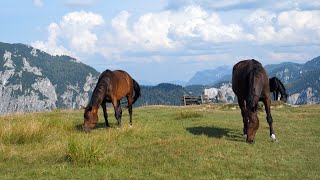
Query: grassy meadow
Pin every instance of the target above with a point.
(195, 142)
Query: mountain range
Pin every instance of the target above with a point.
(302, 81)
(33, 80)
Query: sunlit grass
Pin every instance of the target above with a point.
(195, 142)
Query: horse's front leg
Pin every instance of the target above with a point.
(104, 108)
(274, 95)
(267, 103)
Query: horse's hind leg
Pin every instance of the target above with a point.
(129, 98)
(117, 111)
(104, 108)
(267, 103)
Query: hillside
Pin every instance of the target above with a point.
(194, 142)
(32, 80)
(210, 76)
(162, 94)
(301, 80)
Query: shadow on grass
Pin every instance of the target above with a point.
(216, 132)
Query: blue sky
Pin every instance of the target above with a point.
(163, 40)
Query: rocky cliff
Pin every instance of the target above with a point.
(32, 80)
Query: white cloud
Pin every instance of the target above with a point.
(288, 27)
(191, 31)
(38, 3)
(76, 29)
(170, 31)
(260, 17)
(194, 22)
(51, 45)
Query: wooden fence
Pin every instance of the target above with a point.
(194, 100)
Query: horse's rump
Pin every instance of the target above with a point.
(246, 75)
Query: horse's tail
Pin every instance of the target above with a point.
(250, 104)
(137, 92)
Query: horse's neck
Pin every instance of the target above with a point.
(95, 102)
(281, 88)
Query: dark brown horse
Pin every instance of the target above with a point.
(112, 86)
(250, 83)
(277, 87)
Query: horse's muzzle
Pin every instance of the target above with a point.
(251, 141)
(86, 130)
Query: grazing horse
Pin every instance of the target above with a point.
(277, 87)
(112, 86)
(250, 83)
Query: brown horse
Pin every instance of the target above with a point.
(112, 86)
(250, 83)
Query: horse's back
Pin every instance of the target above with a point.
(123, 78)
(245, 75)
(122, 83)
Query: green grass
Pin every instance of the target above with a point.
(196, 142)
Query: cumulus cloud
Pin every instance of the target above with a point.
(76, 29)
(289, 27)
(51, 45)
(171, 30)
(189, 31)
(38, 3)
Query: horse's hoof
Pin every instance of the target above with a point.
(274, 139)
(130, 126)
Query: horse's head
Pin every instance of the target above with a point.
(284, 98)
(90, 118)
(253, 125)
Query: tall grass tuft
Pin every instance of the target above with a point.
(84, 150)
(23, 132)
(187, 115)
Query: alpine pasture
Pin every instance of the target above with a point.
(177, 142)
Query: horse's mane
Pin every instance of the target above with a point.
(98, 92)
(257, 71)
(272, 82)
